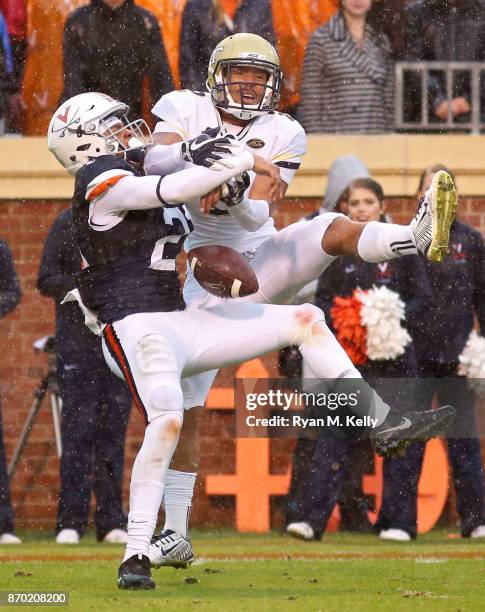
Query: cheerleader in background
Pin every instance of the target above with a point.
(398, 284)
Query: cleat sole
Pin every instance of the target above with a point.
(132, 587)
(444, 213)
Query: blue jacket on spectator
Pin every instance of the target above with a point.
(6, 66)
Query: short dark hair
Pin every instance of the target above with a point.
(432, 170)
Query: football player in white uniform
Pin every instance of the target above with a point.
(244, 81)
(129, 229)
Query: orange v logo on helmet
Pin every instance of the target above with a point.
(64, 116)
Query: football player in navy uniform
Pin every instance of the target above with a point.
(129, 229)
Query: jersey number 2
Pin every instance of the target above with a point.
(179, 226)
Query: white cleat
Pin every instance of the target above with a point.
(396, 535)
(116, 536)
(9, 538)
(436, 213)
(478, 532)
(301, 530)
(67, 536)
(170, 549)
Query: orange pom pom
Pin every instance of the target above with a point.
(350, 332)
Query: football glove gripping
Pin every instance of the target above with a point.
(207, 148)
(233, 191)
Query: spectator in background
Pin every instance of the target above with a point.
(388, 16)
(334, 459)
(457, 293)
(95, 408)
(206, 22)
(94, 59)
(14, 12)
(9, 298)
(347, 83)
(446, 31)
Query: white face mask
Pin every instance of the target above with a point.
(113, 126)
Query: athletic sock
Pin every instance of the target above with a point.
(141, 518)
(147, 483)
(179, 489)
(381, 241)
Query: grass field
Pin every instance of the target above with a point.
(271, 572)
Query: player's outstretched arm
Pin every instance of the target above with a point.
(119, 190)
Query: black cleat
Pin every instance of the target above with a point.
(400, 430)
(134, 573)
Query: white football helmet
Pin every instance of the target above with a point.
(81, 129)
(242, 50)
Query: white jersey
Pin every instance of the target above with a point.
(274, 136)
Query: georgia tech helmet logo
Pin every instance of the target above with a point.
(256, 143)
(214, 53)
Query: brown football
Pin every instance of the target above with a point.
(223, 271)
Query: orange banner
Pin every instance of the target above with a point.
(294, 22)
(43, 79)
(169, 15)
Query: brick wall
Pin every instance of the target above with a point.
(24, 226)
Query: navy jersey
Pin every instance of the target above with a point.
(130, 266)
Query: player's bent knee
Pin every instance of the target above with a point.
(310, 320)
(167, 400)
(341, 237)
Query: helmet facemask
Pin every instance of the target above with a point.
(111, 128)
(221, 95)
